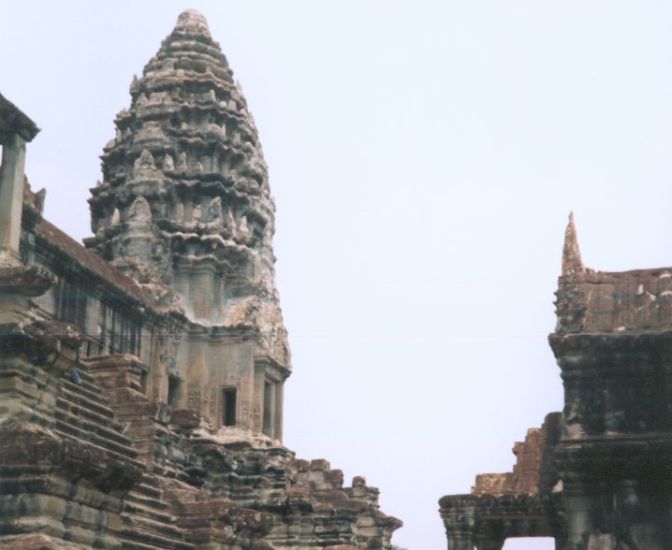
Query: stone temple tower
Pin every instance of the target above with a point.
(185, 209)
(141, 379)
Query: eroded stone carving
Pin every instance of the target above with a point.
(140, 212)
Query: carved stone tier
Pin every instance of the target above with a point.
(185, 200)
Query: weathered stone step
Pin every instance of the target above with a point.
(136, 545)
(154, 544)
(63, 429)
(166, 529)
(139, 537)
(85, 375)
(78, 408)
(147, 510)
(105, 436)
(100, 405)
(149, 502)
(94, 393)
(148, 490)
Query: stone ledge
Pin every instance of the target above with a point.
(25, 280)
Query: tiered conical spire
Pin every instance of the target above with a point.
(185, 202)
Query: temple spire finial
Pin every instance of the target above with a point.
(194, 20)
(571, 254)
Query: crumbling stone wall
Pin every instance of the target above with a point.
(520, 503)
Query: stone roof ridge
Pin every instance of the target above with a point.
(88, 260)
(571, 253)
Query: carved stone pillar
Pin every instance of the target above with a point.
(11, 196)
(490, 544)
(279, 395)
(489, 536)
(459, 518)
(463, 540)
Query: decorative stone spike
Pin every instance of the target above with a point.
(571, 254)
(182, 162)
(192, 21)
(168, 164)
(116, 217)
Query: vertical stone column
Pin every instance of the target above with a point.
(11, 196)
(495, 543)
(460, 540)
(279, 394)
(578, 506)
(459, 518)
(256, 421)
(201, 291)
(268, 425)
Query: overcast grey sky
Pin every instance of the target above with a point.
(424, 157)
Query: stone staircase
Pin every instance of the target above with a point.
(83, 412)
(149, 521)
(147, 424)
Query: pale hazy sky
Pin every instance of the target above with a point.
(424, 157)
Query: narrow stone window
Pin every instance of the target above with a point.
(229, 406)
(269, 406)
(277, 427)
(174, 386)
(135, 339)
(70, 304)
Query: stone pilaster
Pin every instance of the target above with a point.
(11, 197)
